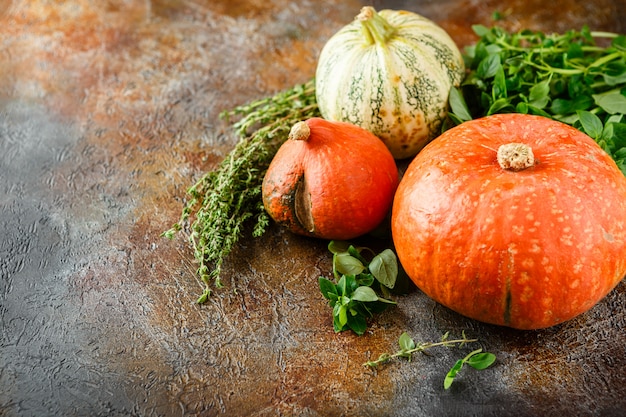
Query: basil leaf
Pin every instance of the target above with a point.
(611, 103)
(449, 379)
(384, 267)
(561, 106)
(342, 286)
(612, 80)
(619, 134)
(522, 107)
(365, 294)
(499, 105)
(480, 30)
(358, 324)
(328, 288)
(481, 361)
(365, 279)
(338, 246)
(499, 89)
(342, 314)
(489, 66)
(405, 342)
(458, 106)
(539, 94)
(347, 264)
(591, 124)
(619, 42)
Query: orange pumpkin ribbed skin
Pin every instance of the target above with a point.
(338, 184)
(527, 249)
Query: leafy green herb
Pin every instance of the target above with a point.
(578, 77)
(408, 347)
(477, 359)
(353, 296)
(224, 200)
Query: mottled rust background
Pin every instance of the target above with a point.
(108, 112)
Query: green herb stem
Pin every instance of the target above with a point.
(222, 201)
(421, 347)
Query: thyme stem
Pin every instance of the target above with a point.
(222, 201)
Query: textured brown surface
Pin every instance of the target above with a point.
(108, 112)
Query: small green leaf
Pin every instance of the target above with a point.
(489, 66)
(455, 120)
(618, 134)
(342, 286)
(351, 284)
(592, 125)
(561, 106)
(458, 106)
(384, 267)
(574, 50)
(365, 294)
(537, 111)
(499, 105)
(481, 361)
(327, 287)
(582, 102)
(405, 342)
(338, 327)
(522, 107)
(616, 118)
(539, 94)
(204, 297)
(480, 30)
(356, 253)
(342, 314)
(449, 379)
(614, 79)
(611, 103)
(365, 279)
(338, 246)
(357, 324)
(347, 264)
(499, 89)
(619, 42)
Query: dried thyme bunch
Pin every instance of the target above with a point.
(226, 198)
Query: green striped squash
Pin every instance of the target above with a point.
(389, 72)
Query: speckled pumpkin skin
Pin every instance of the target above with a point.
(527, 249)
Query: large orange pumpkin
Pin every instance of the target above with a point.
(529, 241)
(331, 180)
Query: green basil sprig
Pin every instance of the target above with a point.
(354, 294)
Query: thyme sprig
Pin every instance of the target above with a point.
(408, 347)
(477, 359)
(223, 200)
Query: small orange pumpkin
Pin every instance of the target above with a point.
(331, 180)
(527, 235)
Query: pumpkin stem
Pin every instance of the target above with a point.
(375, 28)
(515, 156)
(300, 131)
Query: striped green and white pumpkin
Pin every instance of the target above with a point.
(389, 72)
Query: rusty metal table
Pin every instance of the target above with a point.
(108, 112)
